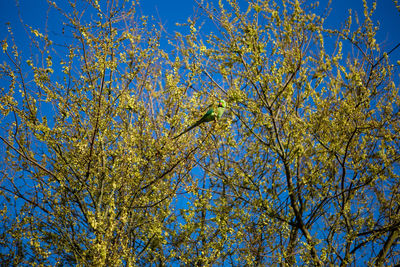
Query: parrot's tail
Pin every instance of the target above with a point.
(187, 130)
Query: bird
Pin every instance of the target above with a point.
(210, 115)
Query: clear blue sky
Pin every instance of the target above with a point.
(172, 11)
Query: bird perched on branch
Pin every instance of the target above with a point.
(212, 114)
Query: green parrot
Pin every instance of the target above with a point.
(211, 115)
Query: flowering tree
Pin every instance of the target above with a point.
(302, 168)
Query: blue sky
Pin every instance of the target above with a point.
(172, 11)
(178, 10)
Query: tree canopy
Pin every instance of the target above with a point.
(302, 169)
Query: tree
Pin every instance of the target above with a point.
(309, 165)
(302, 169)
(87, 153)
